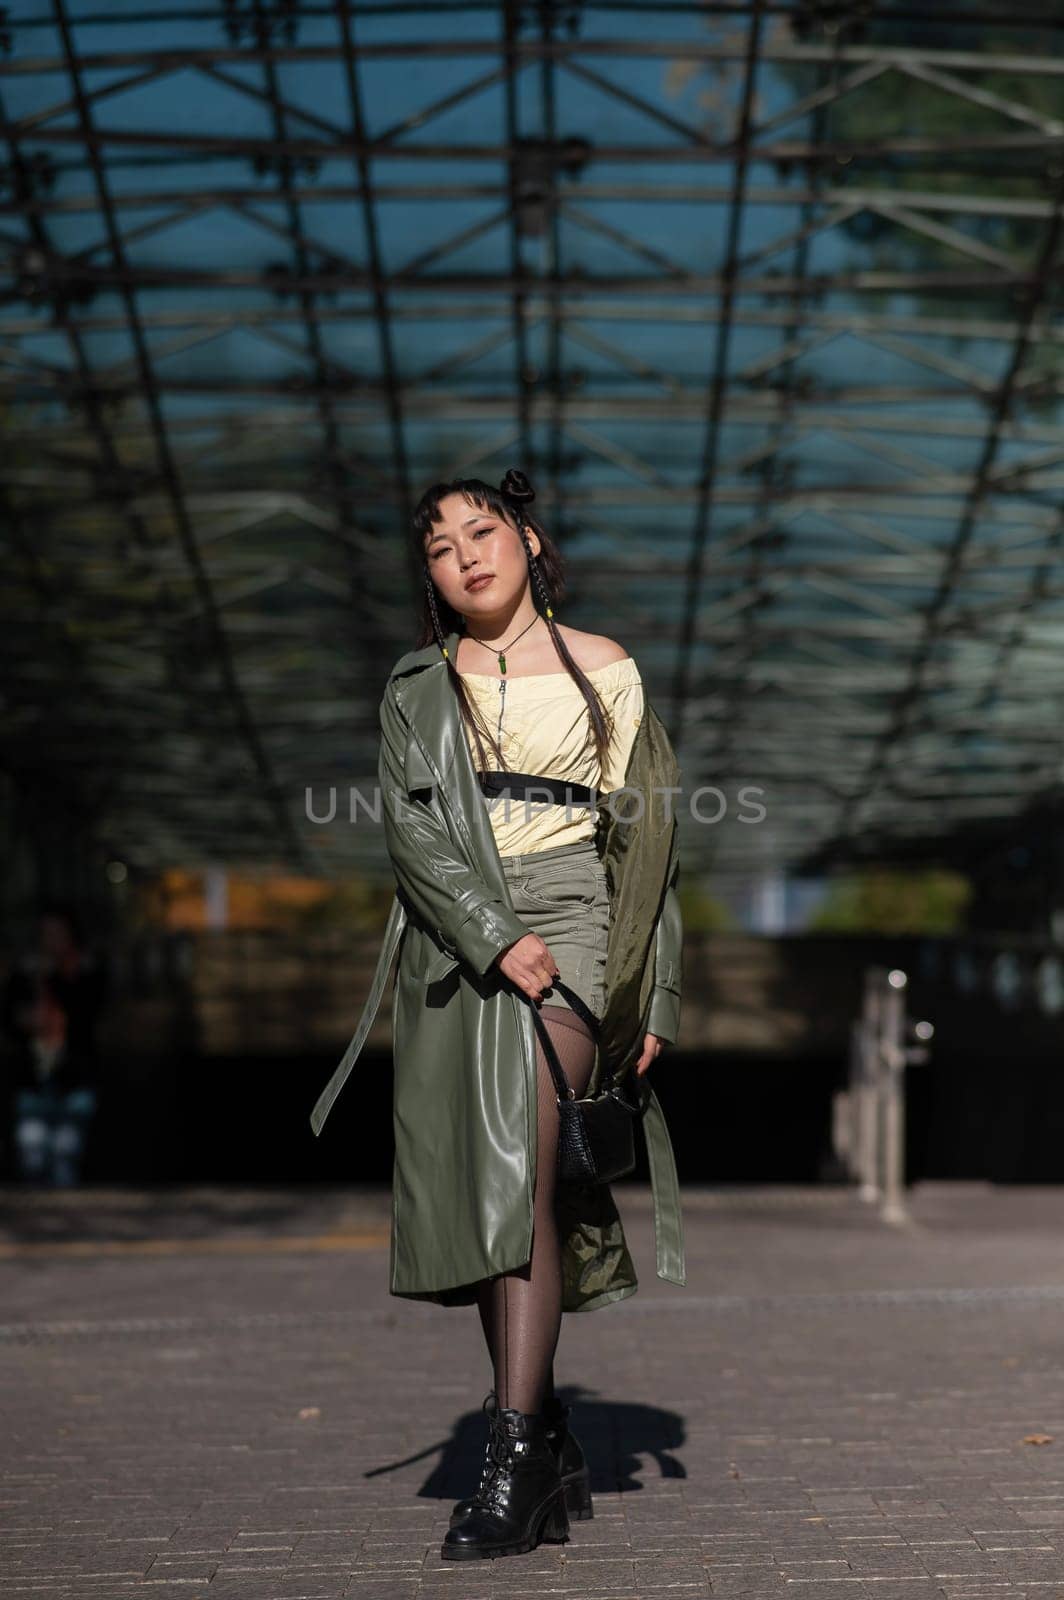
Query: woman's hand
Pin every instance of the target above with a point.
(652, 1048)
(528, 963)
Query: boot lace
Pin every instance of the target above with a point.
(501, 1458)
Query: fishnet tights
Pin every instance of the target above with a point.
(521, 1311)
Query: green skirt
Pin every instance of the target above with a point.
(561, 894)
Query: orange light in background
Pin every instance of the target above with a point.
(177, 899)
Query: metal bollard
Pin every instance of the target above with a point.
(873, 1134)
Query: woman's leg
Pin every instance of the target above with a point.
(521, 1311)
(33, 1131)
(76, 1108)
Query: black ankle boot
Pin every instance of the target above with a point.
(572, 1467)
(522, 1500)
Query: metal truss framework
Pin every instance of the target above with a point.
(784, 365)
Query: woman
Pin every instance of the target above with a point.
(498, 896)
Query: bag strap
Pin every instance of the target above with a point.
(561, 1082)
(577, 1005)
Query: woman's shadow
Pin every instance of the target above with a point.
(614, 1436)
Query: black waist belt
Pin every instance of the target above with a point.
(519, 784)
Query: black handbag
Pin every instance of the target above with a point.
(596, 1135)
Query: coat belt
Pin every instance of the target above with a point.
(668, 1219)
(392, 931)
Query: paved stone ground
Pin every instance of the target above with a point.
(211, 1393)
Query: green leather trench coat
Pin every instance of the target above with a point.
(464, 1103)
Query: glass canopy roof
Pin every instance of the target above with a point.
(765, 298)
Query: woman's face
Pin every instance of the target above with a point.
(467, 543)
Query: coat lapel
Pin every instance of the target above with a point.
(438, 755)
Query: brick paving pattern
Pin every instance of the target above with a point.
(211, 1393)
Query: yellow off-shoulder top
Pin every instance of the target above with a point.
(545, 730)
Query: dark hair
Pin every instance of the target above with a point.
(438, 618)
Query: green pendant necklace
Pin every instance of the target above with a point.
(501, 654)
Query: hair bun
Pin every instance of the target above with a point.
(516, 486)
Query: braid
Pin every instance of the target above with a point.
(516, 487)
(537, 577)
(516, 490)
(430, 589)
(475, 719)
